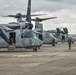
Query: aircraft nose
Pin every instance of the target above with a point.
(40, 42)
(37, 41)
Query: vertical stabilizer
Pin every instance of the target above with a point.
(28, 18)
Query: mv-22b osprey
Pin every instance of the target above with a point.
(19, 38)
(45, 36)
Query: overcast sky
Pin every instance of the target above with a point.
(64, 10)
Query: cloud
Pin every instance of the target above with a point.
(15, 6)
(64, 10)
(72, 2)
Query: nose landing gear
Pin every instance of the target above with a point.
(35, 49)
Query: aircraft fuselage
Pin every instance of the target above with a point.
(20, 39)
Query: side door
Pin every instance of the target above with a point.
(41, 37)
(12, 38)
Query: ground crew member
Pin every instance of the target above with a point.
(69, 43)
(53, 42)
(11, 41)
(63, 38)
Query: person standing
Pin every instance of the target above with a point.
(53, 42)
(69, 43)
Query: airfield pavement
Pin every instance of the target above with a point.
(58, 60)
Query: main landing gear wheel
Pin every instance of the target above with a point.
(35, 49)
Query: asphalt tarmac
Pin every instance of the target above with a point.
(58, 60)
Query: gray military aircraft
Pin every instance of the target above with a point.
(19, 38)
(38, 26)
(62, 34)
(23, 24)
(45, 36)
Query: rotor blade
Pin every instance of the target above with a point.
(10, 16)
(47, 18)
(33, 15)
(24, 16)
(38, 14)
(42, 19)
(33, 19)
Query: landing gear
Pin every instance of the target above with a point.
(11, 47)
(35, 49)
(39, 47)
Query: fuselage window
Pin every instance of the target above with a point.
(22, 35)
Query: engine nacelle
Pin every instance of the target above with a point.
(25, 25)
(28, 25)
(65, 30)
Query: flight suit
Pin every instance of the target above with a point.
(53, 42)
(69, 43)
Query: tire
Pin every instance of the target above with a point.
(34, 49)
